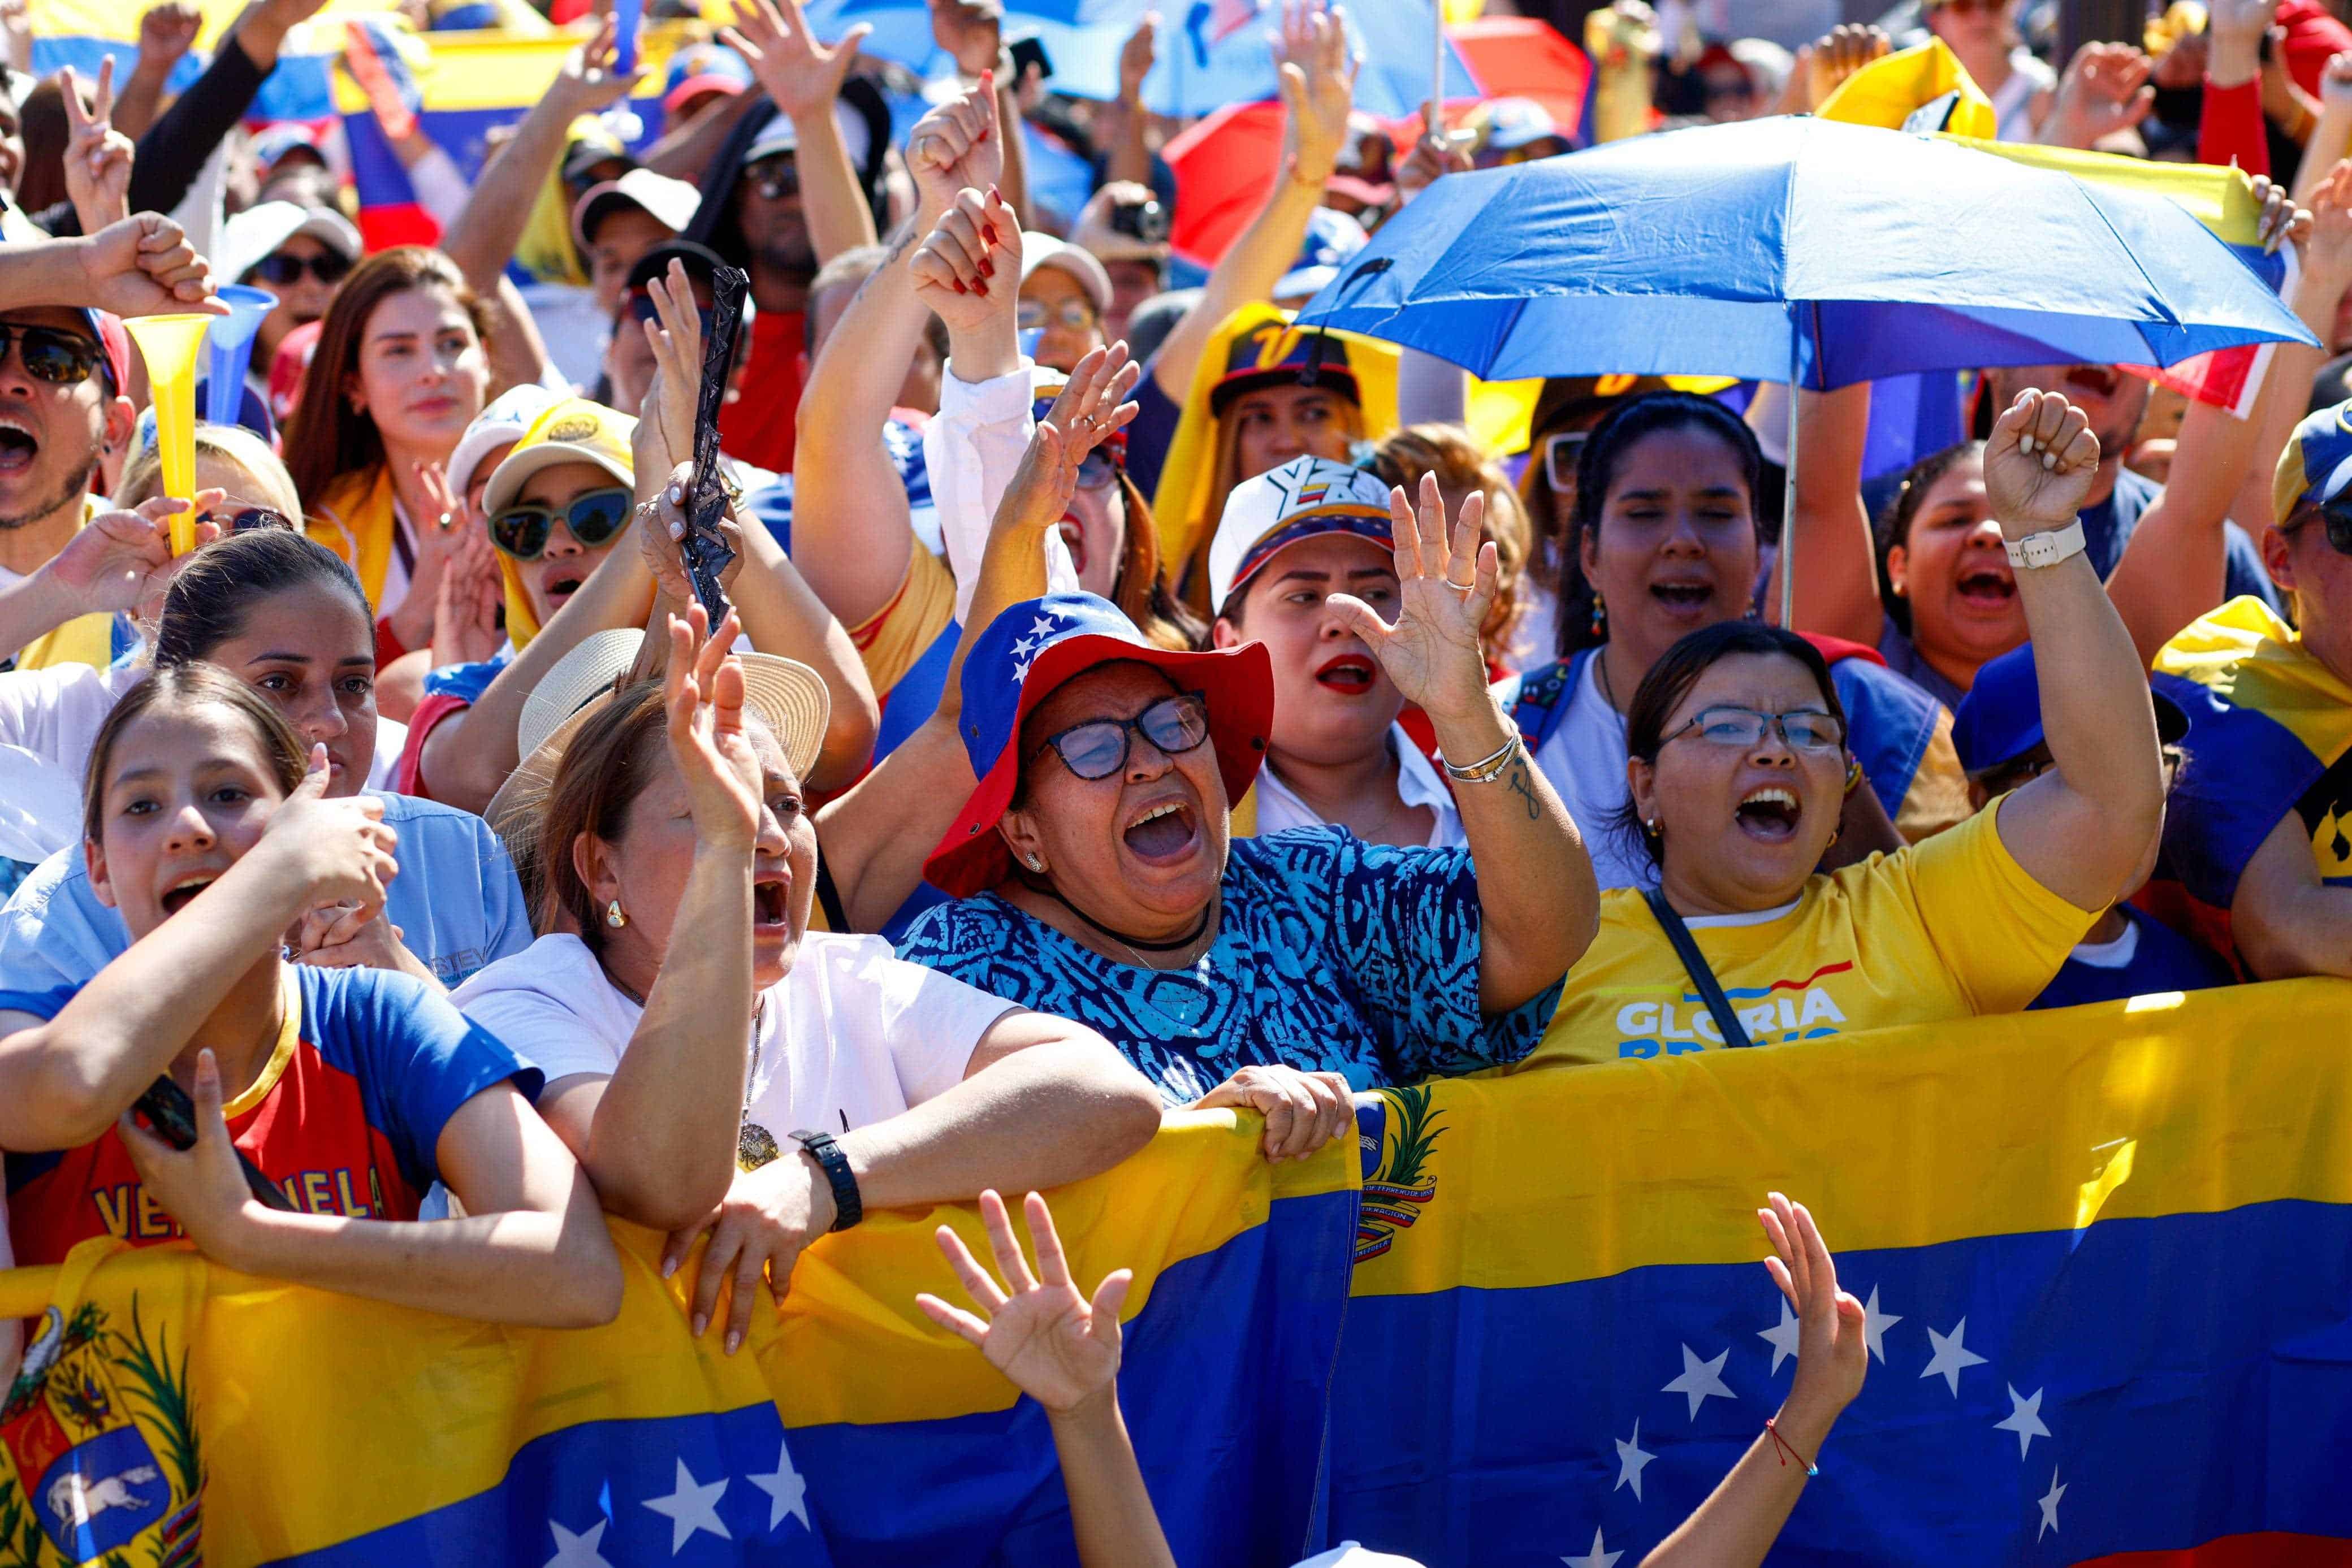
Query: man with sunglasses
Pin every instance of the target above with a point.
(62, 410)
(298, 255)
(2259, 836)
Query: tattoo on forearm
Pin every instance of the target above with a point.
(1525, 788)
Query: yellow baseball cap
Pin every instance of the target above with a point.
(573, 430)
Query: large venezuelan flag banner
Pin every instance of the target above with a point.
(2106, 1256)
(170, 1410)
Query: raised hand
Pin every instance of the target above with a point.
(166, 33)
(589, 80)
(673, 397)
(467, 599)
(1319, 87)
(958, 146)
(2236, 28)
(1136, 58)
(1831, 1354)
(661, 527)
(2040, 463)
(2281, 219)
(969, 268)
(98, 156)
(800, 74)
(1435, 155)
(2328, 251)
(2106, 90)
(703, 695)
(1433, 651)
(970, 30)
(1837, 54)
(123, 558)
(1093, 403)
(334, 851)
(144, 265)
(1050, 1342)
(2335, 82)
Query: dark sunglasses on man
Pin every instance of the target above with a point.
(1098, 747)
(51, 354)
(2335, 514)
(283, 269)
(593, 518)
(776, 178)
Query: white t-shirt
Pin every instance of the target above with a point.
(854, 1034)
(1279, 806)
(56, 714)
(1585, 760)
(2115, 955)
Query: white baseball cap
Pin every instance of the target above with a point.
(673, 203)
(779, 135)
(251, 235)
(1305, 497)
(1044, 250)
(511, 414)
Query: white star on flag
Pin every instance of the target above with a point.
(1701, 1380)
(2050, 1506)
(1631, 1461)
(691, 1508)
(1021, 670)
(1025, 646)
(1951, 1356)
(1782, 1338)
(1043, 628)
(787, 1491)
(1598, 1557)
(578, 1550)
(2024, 1419)
(1875, 1325)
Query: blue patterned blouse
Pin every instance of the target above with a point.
(1334, 956)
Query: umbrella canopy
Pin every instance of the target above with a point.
(1518, 56)
(1846, 251)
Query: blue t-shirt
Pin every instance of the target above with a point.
(2163, 960)
(455, 901)
(2108, 527)
(465, 681)
(1333, 955)
(1151, 432)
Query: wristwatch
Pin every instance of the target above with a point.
(2048, 547)
(849, 1209)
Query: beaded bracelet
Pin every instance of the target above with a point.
(1787, 1452)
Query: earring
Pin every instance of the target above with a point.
(1036, 863)
(613, 915)
(1833, 839)
(1599, 616)
(1651, 827)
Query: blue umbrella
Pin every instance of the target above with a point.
(1795, 250)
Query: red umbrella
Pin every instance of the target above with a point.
(1224, 165)
(1517, 56)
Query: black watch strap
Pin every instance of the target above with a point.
(847, 1206)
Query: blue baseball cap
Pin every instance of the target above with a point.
(1019, 660)
(2316, 466)
(2000, 718)
(701, 68)
(1333, 238)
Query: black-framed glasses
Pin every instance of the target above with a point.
(1098, 747)
(593, 518)
(330, 267)
(1077, 314)
(1563, 451)
(51, 354)
(1800, 729)
(775, 178)
(2335, 514)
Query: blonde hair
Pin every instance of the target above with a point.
(1463, 466)
(142, 476)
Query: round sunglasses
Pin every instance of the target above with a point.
(593, 518)
(1098, 747)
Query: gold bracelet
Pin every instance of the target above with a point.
(1487, 769)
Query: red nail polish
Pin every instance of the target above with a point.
(959, 289)
(988, 232)
(987, 267)
(993, 196)
(981, 288)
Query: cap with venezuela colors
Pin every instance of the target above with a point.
(2316, 466)
(1019, 660)
(1302, 499)
(1270, 355)
(571, 431)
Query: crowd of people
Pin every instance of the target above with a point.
(1122, 703)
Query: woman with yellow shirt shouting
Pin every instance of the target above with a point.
(1738, 771)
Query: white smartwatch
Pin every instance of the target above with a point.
(2049, 547)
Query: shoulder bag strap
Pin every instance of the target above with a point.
(1696, 964)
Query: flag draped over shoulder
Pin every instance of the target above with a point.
(169, 1408)
(2105, 1255)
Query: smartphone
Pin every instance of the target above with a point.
(1026, 52)
(172, 1117)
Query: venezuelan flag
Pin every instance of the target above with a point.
(170, 1408)
(2273, 728)
(80, 33)
(2106, 1254)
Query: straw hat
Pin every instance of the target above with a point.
(789, 698)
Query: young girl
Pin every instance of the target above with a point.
(350, 1090)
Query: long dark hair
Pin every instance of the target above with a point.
(1596, 469)
(209, 601)
(1895, 522)
(1678, 669)
(183, 687)
(1141, 588)
(326, 438)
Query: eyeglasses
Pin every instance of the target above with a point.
(2337, 516)
(1098, 470)
(1562, 452)
(283, 269)
(246, 519)
(593, 518)
(52, 355)
(1098, 748)
(1077, 314)
(775, 178)
(1804, 729)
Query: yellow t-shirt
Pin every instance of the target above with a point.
(1946, 929)
(890, 640)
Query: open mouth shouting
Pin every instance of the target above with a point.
(19, 448)
(560, 582)
(1769, 813)
(1685, 598)
(1349, 674)
(1074, 537)
(1165, 832)
(1987, 585)
(182, 893)
(2094, 380)
(771, 904)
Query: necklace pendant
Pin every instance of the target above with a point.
(754, 1147)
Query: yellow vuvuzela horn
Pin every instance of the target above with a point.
(171, 345)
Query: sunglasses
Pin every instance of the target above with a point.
(775, 178)
(246, 519)
(1562, 453)
(1077, 314)
(284, 270)
(2335, 514)
(50, 354)
(1802, 730)
(1098, 747)
(593, 518)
